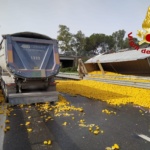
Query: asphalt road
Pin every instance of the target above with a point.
(121, 128)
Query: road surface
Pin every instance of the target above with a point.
(122, 127)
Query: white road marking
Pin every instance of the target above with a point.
(144, 137)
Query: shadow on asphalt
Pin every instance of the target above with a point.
(17, 137)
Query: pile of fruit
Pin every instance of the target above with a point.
(112, 94)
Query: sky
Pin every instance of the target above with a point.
(89, 16)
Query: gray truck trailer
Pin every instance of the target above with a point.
(28, 64)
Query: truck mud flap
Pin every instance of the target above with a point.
(30, 98)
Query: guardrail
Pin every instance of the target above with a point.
(120, 82)
(74, 76)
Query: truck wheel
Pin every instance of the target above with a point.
(6, 94)
(2, 86)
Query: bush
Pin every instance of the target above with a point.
(68, 69)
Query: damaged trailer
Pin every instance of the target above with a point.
(131, 62)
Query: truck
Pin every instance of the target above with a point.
(29, 63)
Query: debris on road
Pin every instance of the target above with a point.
(110, 93)
(29, 130)
(114, 147)
(27, 123)
(64, 124)
(48, 142)
(95, 129)
(7, 129)
(7, 121)
(108, 112)
(117, 76)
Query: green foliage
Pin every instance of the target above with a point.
(78, 43)
(64, 38)
(93, 41)
(99, 40)
(110, 41)
(118, 37)
(126, 42)
(71, 43)
(68, 42)
(68, 69)
(88, 44)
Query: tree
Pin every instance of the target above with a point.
(64, 38)
(99, 43)
(94, 41)
(110, 41)
(126, 42)
(88, 44)
(118, 37)
(78, 43)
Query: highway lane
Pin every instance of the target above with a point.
(121, 128)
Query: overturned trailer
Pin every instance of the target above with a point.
(28, 62)
(131, 62)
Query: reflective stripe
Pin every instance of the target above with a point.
(57, 58)
(10, 56)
